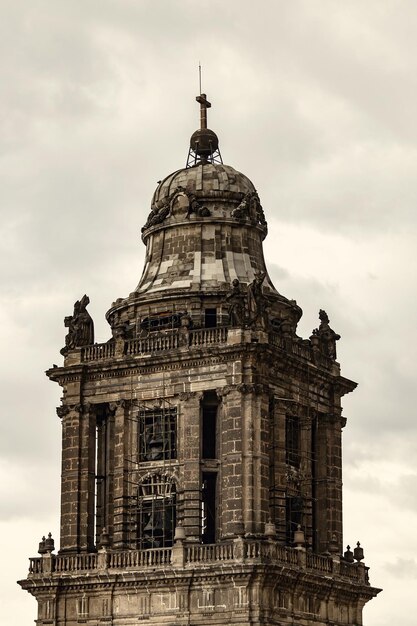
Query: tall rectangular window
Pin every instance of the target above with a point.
(157, 434)
(209, 407)
(292, 441)
(294, 516)
(156, 508)
(208, 507)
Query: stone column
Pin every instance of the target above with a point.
(278, 482)
(261, 457)
(230, 494)
(87, 479)
(306, 474)
(77, 479)
(120, 511)
(255, 457)
(328, 481)
(189, 454)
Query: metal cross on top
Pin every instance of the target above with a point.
(204, 105)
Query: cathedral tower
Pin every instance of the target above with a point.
(201, 444)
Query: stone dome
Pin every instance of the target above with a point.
(204, 180)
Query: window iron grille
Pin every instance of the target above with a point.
(157, 434)
(156, 512)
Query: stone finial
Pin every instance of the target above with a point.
(49, 543)
(299, 538)
(358, 553)
(348, 555)
(42, 549)
(179, 535)
(270, 530)
(104, 539)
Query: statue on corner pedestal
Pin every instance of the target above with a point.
(236, 302)
(325, 337)
(80, 327)
(257, 302)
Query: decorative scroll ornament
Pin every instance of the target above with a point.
(250, 208)
(180, 202)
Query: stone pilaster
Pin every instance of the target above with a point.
(189, 455)
(121, 433)
(77, 479)
(278, 480)
(328, 479)
(255, 457)
(306, 476)
(231, 492)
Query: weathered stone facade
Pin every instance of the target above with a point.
(201, 445)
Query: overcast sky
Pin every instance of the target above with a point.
(315, 101)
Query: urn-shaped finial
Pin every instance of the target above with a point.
(358, 552)
(348, 555)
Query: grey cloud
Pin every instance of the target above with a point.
(403, 568)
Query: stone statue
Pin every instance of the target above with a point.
(257, 302)
(236, 301)
(80, 327)
(325, 336)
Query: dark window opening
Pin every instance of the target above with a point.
(209, 425)
(292, 441)
(208, 507)
(156, 513)
(210, 318)
(101, 470)
(294, 516)
(157, 434)
(314, 482)
(160, 321)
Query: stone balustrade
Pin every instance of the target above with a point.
(208, 336)
(239, 551)
(157, 342)
(198, 338)
(97, 352)
(154, 557)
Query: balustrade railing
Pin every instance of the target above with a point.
(207, 336)
(156, 342)
(319, 562)
(97, 352)
(210, 552)
(195, 554)
(76, 562)
(140, 558)
(299, 348)
(350, 570)
(171, 340)
(35, 565)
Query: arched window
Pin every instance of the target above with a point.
(156, 511)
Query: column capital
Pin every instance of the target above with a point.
(62, 411)
(257, 389)
(184, 396)
(117, 405)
